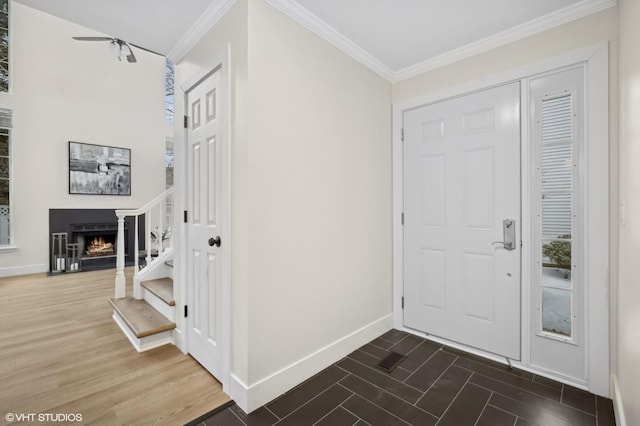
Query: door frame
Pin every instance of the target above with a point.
(596, 238)
(219, 62)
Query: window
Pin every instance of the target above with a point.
(6, 236)
(169, 91)
(168, 161)
(557, 172)
(4, 45)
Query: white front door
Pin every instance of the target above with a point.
(461, 182)
(205, 224)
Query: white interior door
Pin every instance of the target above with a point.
(461, 182)
(205, 230)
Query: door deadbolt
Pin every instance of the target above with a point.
(509, 233)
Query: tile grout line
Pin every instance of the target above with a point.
(387, 392)
(349, 411)
(237, 417)
(435, 381)
(527, 391)
(405, 338)
(454, 399)
(524, 390)
(483, 408)
(549, 413)
(300, 384)
(422, 343)
(374, 357)
(274, 414)
(390, 377)
(335, 408)
(394, 343)
(306, 403)
(502, 371)
(498, 408)
(426, 361)
(380, 347)
(352, 413)
(373, 403)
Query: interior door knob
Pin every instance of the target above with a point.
(214, 241)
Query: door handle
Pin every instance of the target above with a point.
(214, 241)
(509, 235)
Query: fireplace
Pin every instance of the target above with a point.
(95, 231)
(97, 243)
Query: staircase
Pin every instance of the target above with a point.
(147, 317)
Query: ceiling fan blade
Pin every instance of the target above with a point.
(93, 38)
(130, 57)
(145, 49)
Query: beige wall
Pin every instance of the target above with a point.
(311, 190)
(628, 367)
(66, 90)
(231, 31)
(319, 193)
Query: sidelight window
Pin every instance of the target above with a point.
(557, 172)
(4, 45)
(6, 236)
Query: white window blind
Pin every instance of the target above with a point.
(556, 163)
(6, 118)
(556, 119)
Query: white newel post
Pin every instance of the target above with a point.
(120, 279)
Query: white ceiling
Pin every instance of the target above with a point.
(396, 38)
(157, 25)
(406, 32)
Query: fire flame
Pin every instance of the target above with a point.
(99, 245)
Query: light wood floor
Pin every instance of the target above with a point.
(61, 352)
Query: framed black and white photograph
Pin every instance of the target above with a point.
(99, 169)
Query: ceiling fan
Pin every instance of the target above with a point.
(118, 46)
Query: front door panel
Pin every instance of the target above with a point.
(461, 182)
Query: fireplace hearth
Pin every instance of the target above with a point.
(95, 231)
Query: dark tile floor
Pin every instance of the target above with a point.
(433, 384)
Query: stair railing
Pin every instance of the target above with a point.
(157, 237)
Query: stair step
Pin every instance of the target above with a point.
(141, 317)
(163, 288)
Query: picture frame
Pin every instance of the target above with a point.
(99, 169)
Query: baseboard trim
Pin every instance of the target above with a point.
(24, 270)
(617, 401)
(254, 396)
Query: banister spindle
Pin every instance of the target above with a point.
(120, 279)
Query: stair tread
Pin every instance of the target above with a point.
(141, 317)
(163, 288)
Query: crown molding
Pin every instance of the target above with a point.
(298, 13)
(199, 29)
(544, 23)
(308, 20)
